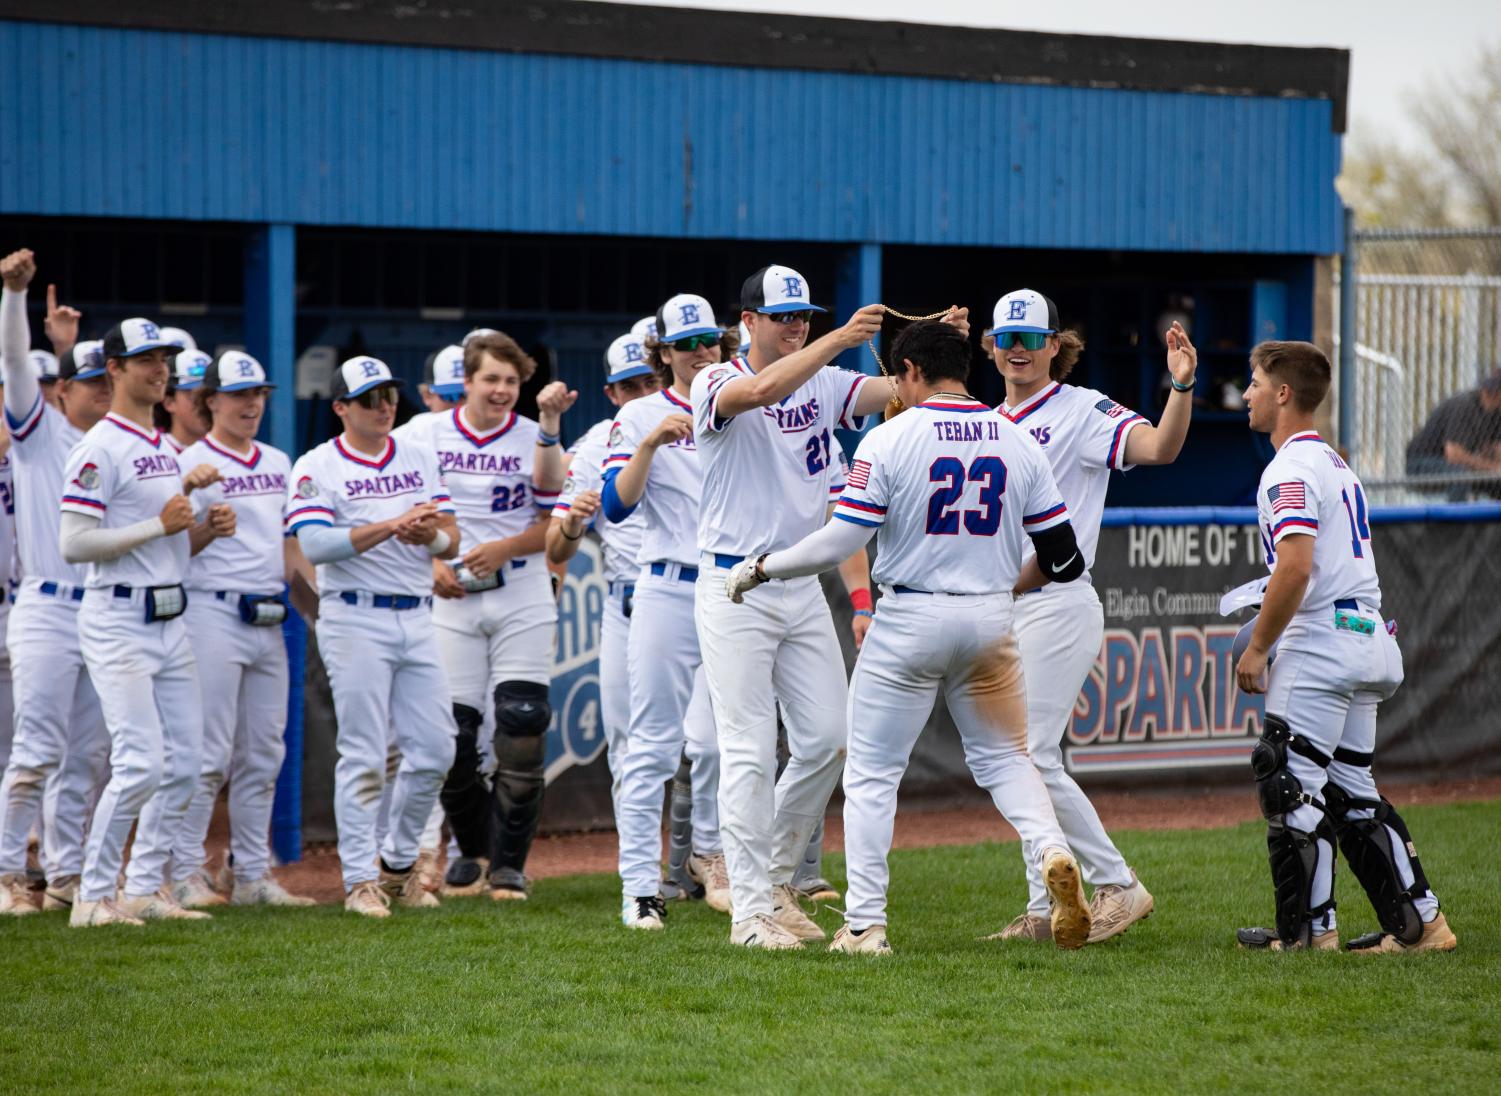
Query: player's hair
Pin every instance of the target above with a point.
(940, 351)
(498, 345)
(1070, 347)
(729, 343)
(1299, 365)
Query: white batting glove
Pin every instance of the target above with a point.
(742, 580)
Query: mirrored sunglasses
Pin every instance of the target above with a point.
(1030, 340)
(372, 399)
(693, 342)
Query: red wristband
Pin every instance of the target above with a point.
(861, 600)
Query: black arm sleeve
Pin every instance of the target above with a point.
(1058, 553)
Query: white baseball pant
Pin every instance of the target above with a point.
(664, 664)
(147, 679)
(1327, 682)
(61, 746)
(782, 635)
(244, 684)
(383, 668)
(919, 644)
(1059, 632)
(506, 634)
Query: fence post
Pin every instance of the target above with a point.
(1347, 338)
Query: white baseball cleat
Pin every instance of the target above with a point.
(868, 941)
(786, 912)
(711, 873)
(161, 906)
(15, 895)
(196, 891)
(1070, 916)
(367, 900)
(61, 894)
(406, 889)
(643, 913)
(266, 891)
(761, 931)
(88, 915)
(1114, 908)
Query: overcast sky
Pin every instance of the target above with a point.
(1397, 44)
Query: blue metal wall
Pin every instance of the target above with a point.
(101, 122)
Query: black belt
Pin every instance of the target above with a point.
(54, 589)
(685, 574)
(397, 602)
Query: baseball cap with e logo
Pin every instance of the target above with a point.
(136, 336)
(356, 376)
(235, 371)
(445, 374)
(625, 359)
(775, 289)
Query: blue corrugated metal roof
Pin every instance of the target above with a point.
(103, 122)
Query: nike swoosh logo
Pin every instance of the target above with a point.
(1064, 564)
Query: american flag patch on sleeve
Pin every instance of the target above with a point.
(1287, 496)
(859, 477)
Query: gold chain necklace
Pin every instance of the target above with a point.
(895, 406)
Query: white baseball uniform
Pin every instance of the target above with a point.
(622, 546)
(953, 490)
(1336, 660)
(7, 594)
(1060, 627)
(662, 649)
(375, 633)
(242, 666)
(143, 669)
(60, 742)
(767, 475)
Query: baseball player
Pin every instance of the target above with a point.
(178, 416)
(373, 513)
(1060, 626)
(1336, 661)
(950, 487)
(652, 463)
(126, 514)
(764, 426)
(60, 743)
(235, 609)
(7, 592)
(496, 615)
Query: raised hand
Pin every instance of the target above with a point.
(17, 269)
(61, 324)
(863, 326)
(1182, 358)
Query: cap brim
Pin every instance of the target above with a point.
(185, 386)
(362, 389)
(146, 348)
(241, 386)
(627, 374)
(447, 391)
(85, 375)
(689, 332)
(788, 306)
(1022, 331)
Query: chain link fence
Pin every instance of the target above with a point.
(1427, 399)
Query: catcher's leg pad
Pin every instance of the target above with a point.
(680, 835)
(522, 713)
(1293, 853)
(1367, 845)
(465, 799)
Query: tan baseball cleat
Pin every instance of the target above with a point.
(1114, 908)
(466, 877)
(195, 892)
(426, 870)
(1437, 936)
(266, 891)
(161, 906)
(869, 941)
(786, 912)
(88, 915)
(367, 900)
(1031, 927)
(15, 895)
(1070, 917)
(407, 890)
(761, 931)
(711, 873)
(61, 893)
(1258, 939)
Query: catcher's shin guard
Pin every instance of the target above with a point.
(810, 871)
(1368, 846)
(465, 799)
(1293, 853)
(522, 714)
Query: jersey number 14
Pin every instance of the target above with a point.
(982, 521)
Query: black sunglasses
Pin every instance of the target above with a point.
(372, 399)
(791, 317)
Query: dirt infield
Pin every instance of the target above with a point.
(574, 854)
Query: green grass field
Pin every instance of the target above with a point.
(557, 996)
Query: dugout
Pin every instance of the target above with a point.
(309, 179)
